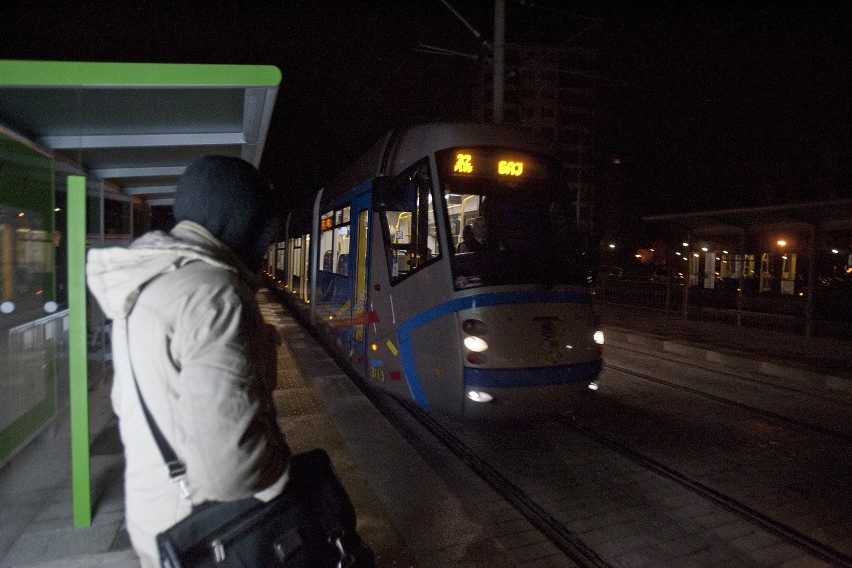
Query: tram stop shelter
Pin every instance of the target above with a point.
(86, 150)
(813, 230)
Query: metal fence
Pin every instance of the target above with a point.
(828, 314)
(34, 378)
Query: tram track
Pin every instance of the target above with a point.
(567, 541)
(807, 426)
(746, 379)
(813, 547)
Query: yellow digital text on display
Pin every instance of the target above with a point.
(464, 164)
(507, 168)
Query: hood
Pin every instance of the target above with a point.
(229, 197)
(116, 275)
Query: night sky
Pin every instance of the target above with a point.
(708, 104)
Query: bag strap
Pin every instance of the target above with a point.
(176, 468)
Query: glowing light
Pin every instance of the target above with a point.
(475, 344)
(506, 168)
(835, 251)
(374, 347)
(21, 214)
(685, 244)
(612, 245)
(479, 396)
(705, 249)
(51, 307)
(599, 337)
(7, 307)
(781, 243)
(593, 385)
(463, 164)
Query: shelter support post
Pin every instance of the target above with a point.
(77, 352)
(809, 299)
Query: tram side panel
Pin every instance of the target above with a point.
(425, 365)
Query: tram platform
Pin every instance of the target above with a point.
(406, 511)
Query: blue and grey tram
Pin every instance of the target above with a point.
(445, 266)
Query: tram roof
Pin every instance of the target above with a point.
(835, 215)
(138, 125)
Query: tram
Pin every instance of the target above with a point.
(445, 266)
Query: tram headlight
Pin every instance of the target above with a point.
(599, 337)
(479, 396)
(475, 344)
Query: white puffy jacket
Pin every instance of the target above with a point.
(205, 364)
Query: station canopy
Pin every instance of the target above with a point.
(822, 216)
(138, 125)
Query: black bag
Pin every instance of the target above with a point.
(311, 524)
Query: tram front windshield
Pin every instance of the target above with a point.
(510, 219)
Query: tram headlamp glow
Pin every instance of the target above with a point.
(479, 396)
(599, 337)
(476, 344)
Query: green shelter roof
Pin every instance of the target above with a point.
(139, 125)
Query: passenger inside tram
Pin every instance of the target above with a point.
(475, 236)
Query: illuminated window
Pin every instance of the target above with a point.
(334, 241)
(411, 237)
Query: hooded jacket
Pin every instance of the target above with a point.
(204, 361)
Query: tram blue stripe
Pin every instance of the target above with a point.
(405, 329)
(539, 376)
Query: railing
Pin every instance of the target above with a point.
(33, 377)
(830, 314)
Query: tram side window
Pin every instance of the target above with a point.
(334, 241)
(411, 238)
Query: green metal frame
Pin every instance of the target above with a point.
(77, 352)
(96, 74)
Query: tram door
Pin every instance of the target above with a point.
(360, 215)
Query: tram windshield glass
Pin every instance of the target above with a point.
(510, 220)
